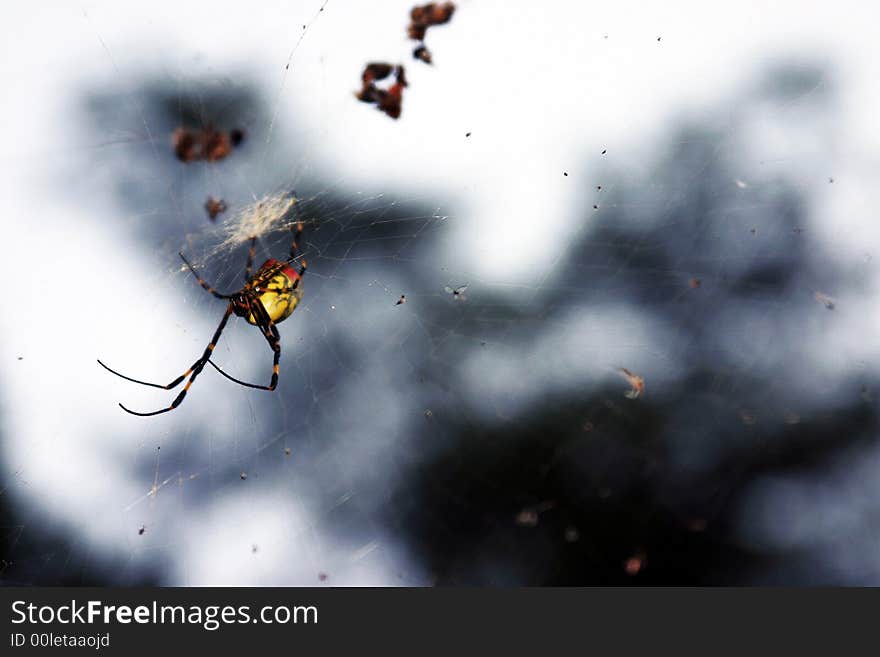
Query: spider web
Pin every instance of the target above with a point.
(716, 244)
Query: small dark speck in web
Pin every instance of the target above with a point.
(141, 531)
(565, 173)
(605, 151)
(467, 134)
(21, 358)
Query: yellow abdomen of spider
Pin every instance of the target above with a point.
(278, 294)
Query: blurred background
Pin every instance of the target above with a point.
(687, 193)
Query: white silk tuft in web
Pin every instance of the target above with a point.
(266, 215)
(258, 219)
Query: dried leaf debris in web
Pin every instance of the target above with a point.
(193, 144)
(636, 382)
(424, 16)
(387, 100)
(828, 301)
(421, 18)
(214, 207)
(422, 52)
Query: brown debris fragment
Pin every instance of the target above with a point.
(214, 207)
(422, 52)
(747, 416)
(206, 143)
(634, 564)
(529, 516)
(697, 525)
(825, 300)
(634, 380)
(387, 100)
(376, 71)
(424, 16)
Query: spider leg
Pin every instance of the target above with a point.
(297, 233)
(250, 260)
(302, 270)
(196, 369)
(270, 332)
(173, 384)
(201, 280)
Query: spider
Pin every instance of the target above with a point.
(267, 298)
